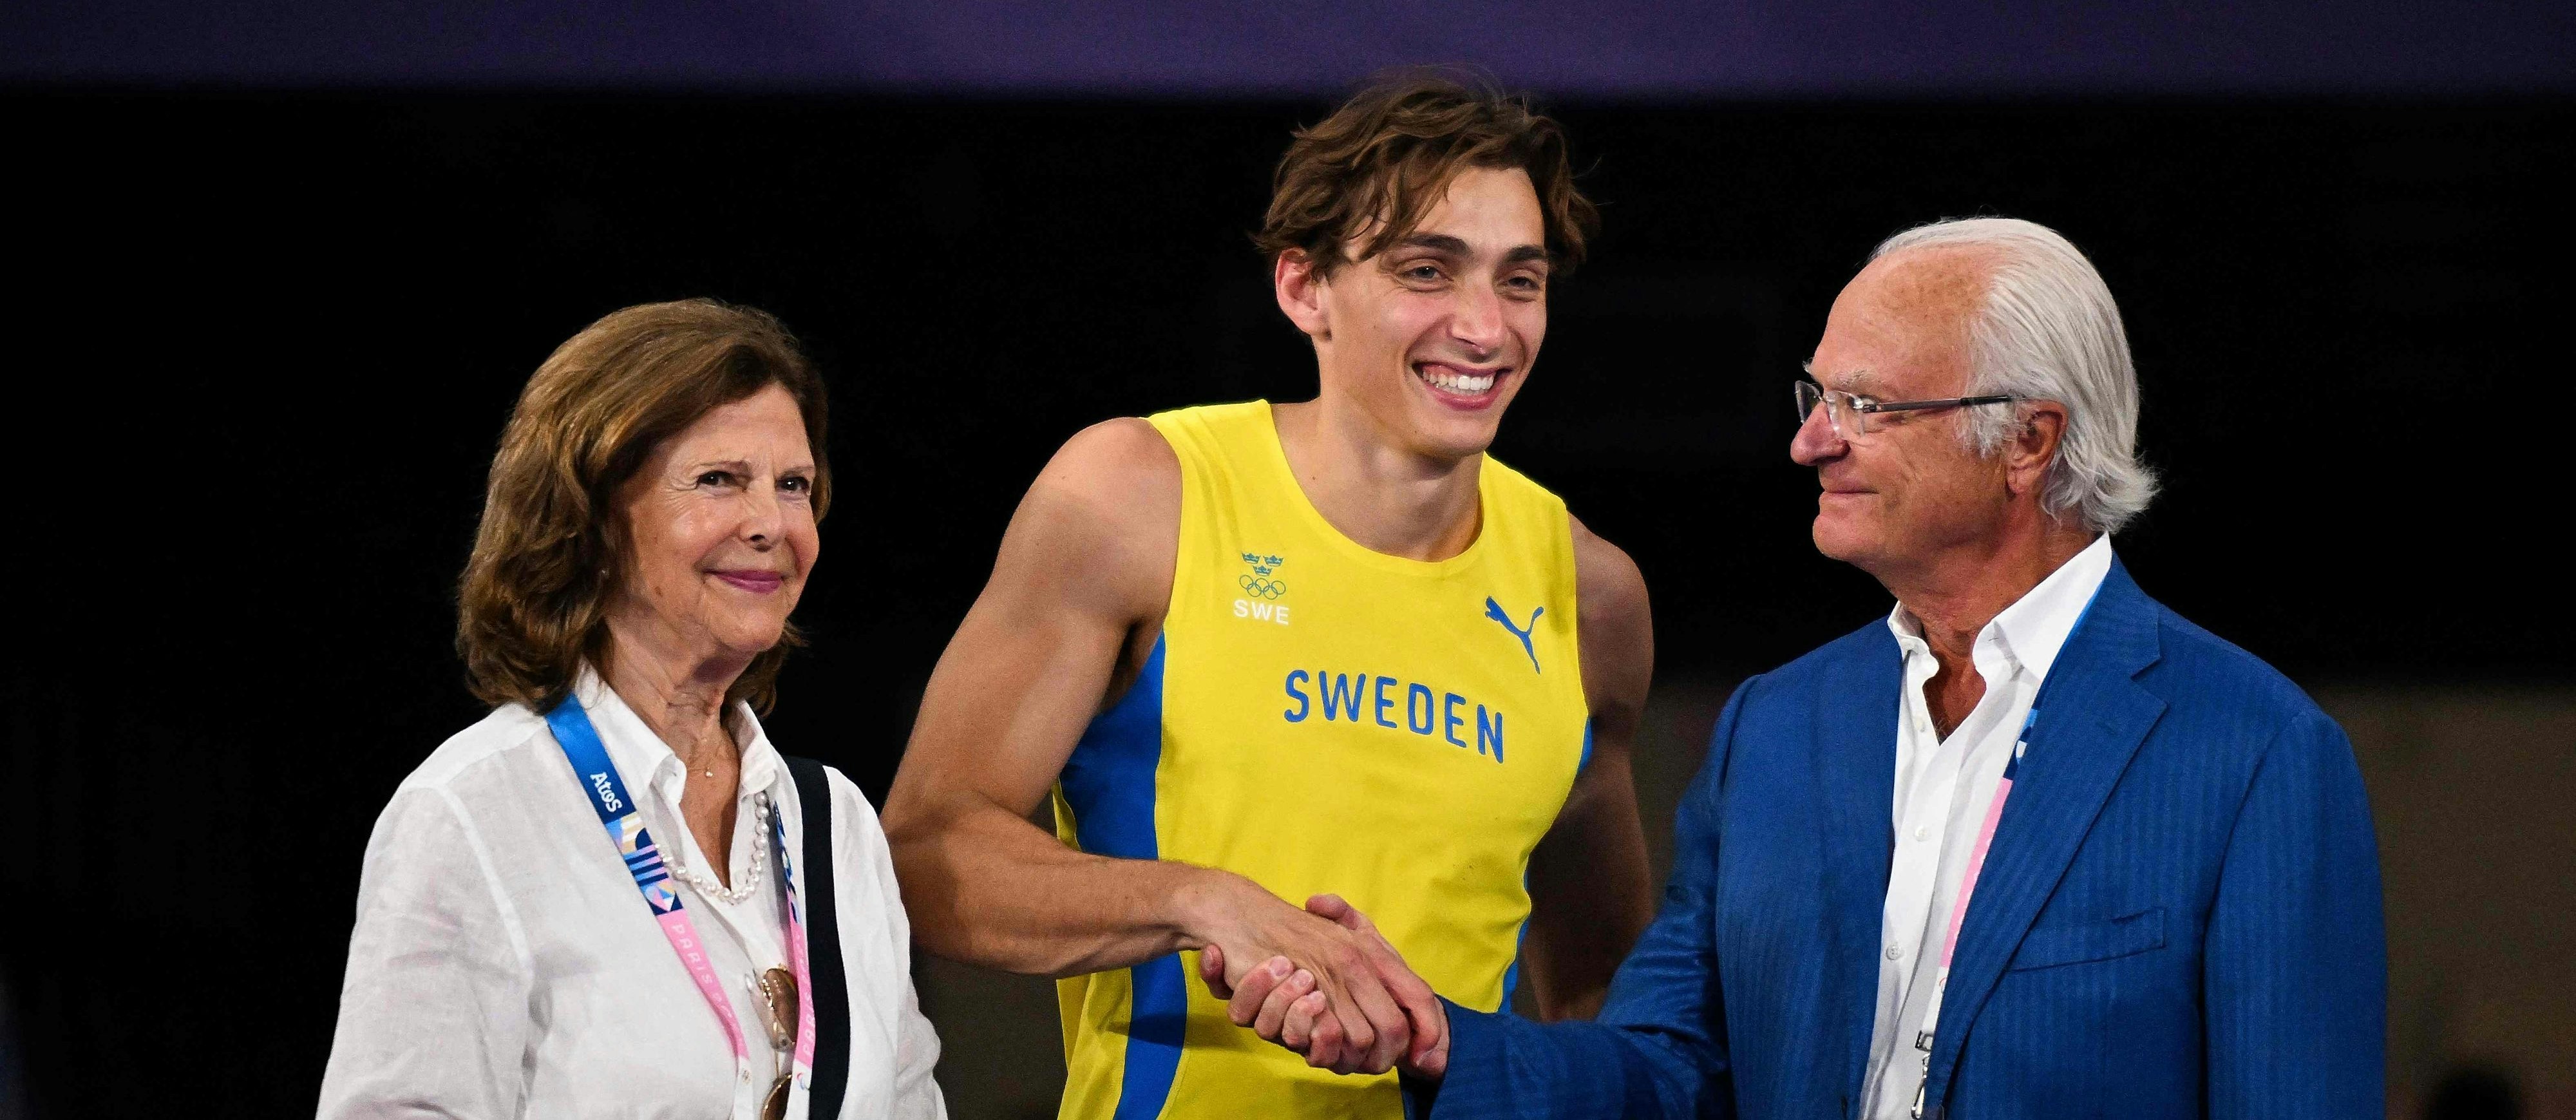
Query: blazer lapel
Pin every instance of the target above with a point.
(1855, 745)
(2092, 716)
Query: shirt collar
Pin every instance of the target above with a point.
(2035, 627)
(641, 754)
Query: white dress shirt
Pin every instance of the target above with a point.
(1943, 790)
(504, 964)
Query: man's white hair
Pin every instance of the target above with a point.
(2047, 330)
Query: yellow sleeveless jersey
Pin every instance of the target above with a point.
(1323, 718)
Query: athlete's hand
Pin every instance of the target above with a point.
(1263, 999)
(1280, 1003)
(1354, 1023)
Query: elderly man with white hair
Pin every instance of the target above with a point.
(2033, 846)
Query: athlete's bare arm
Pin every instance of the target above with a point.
(1076, 597)
(1589, 894)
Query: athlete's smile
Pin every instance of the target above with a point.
(1462, 386)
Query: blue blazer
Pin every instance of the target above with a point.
(2179, 917)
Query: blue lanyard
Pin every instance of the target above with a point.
(616, 809)
(579, 739)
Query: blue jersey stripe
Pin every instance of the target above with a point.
(1512, 974)
(1109, 783)
(1520, 941)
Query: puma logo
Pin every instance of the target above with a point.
(1494, 610)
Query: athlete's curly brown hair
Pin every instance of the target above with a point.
(1386, 157)
(533, 601)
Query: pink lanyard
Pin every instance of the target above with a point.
(616, 809)
(1959, 906)
(1977, 857)
(796, 954)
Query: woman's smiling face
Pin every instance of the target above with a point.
(720, 531)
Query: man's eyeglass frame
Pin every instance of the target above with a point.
(1807, 395)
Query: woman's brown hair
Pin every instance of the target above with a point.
(1385, 158)
(533, 602)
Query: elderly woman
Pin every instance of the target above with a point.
(609, 896)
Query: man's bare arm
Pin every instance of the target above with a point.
(1078, 571)
(1085, 568)
(1590, 898)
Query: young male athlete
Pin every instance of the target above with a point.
(1263, 653)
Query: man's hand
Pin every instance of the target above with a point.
(1282, 1003)
(1358, 1019)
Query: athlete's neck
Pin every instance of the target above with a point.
(1384, 498)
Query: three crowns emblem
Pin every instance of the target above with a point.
(1262, 580)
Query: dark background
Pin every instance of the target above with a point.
(262, 345)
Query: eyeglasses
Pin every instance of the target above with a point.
(1852, 415)
(776, 990)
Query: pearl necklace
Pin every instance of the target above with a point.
(708, 887)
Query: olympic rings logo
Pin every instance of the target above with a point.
(1265, 588)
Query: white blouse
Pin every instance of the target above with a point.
(504, 965)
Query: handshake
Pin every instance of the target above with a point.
(1326, 985)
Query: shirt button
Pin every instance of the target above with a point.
(1894, 952)
(1923, 832)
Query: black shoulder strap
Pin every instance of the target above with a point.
(831, 994)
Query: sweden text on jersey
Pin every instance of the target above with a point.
(1319, 717)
